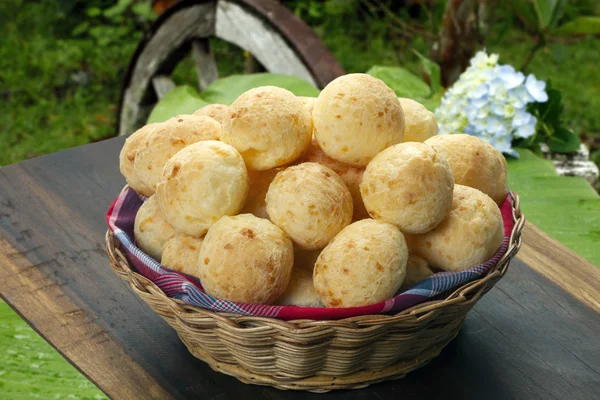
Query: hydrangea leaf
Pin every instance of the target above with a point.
(226, 90)
(401, 81)
(433, 72)
(563, 141)
(584, 25)
(180, 100)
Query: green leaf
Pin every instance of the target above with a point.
(563, 141)
(181, 100)
(433, 72)
(581, 25)
(549, 111)
(93, 11)
(526, 12)
(144, 11)
(401, 81)
(545, 11)
(81, 28)
(118, 9)
(226, 90)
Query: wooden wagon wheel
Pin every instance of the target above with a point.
(271, 33)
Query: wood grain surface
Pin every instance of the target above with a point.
(567, 269)
(528, 338)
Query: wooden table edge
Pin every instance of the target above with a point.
(571, 272)
(92, 338)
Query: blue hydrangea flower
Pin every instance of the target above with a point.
(490, 101)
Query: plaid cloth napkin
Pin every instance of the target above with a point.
(121, 216)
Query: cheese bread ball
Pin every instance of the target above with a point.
(417, 270)
(215, 111)
(151, 230)
(470, 235)
(256, 201)
(419, 122)
(408, 185)
(127, 157)
(308, 103)
(300, 291)
(181, 252)
(357, 116)
(364, 264)
(200, 184)
(269, 126)
(310, 203)
(170, 137)
(246, 259)
(352, 176)
(474, 163)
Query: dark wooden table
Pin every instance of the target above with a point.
(535, 335)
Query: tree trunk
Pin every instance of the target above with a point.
(458, 39)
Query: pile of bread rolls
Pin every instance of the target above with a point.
(335, 201)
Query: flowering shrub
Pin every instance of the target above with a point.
(491, 101)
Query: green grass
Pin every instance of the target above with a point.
(566, 208)
(31, 369)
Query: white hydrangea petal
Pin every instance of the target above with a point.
(537, 89)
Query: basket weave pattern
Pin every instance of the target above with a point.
(312, 355)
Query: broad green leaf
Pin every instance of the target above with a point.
(226, 90)
(181, 100)
(433, 72)
(563, 141)
(566, 208)
(401, 81)
(581, 25)
(545, 11)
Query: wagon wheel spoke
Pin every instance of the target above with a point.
(162, 85)
(276, 39)
(206, 66)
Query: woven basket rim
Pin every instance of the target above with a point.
(421, 311)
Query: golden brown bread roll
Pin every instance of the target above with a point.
(246, 259)
(215, 111)
(352, 176)
(127, 158)
(409, 185)
(474, 163)
(200, 184)
(269, 126)
(417, 270)
(151, 230)
(181, 252)
(364, 264)
(419, 122)
(169, 138)
(308, 103)
(300, 291)
(310, 203)
(470, 234)
(357, 116)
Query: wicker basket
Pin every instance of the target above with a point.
(312, 355)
